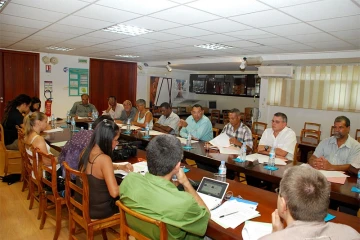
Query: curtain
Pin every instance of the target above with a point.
(318, 87)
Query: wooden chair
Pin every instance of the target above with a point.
(126, 230)
(255, 142)
(332, 131)
(215, 116)
(312, 130)
(296, 154)
(79, 211)
(25, 170)
(307, 134)
(47, 196)
(11, 157)
(258, 128)
(357, 135)
(225, 114)
(215, 132)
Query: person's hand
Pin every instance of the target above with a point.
(182, 123)
(129, 167)
(233, 140)
(276, 221)
(89, 114)
(182, 179)
(325, 164)
(317, 163)
(76, 117)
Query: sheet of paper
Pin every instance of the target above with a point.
(140, 167)
(183, 140)
(229, 150)
(131, 127)
(255, 230)
(221, 141)
(58, 129)
(264, 159)
(120, 171)
(155, 133)
(331, 174)
(84, 118)
(340, 180)
(59, 144)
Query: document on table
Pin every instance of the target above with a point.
(183, 140)
(229, 150)
(332, 176)
(140, 167)
(264, 159)
(58, 129)
(255, 230)
(89, 118)
(59, 144)
(155, 133)
(131, 127)
(221, 141)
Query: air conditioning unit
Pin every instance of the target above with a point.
(276, 71)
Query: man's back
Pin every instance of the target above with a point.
(159, 199)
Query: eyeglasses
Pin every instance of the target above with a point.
(276, 121)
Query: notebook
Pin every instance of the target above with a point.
(212, 192)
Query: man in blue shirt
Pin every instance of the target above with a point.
(198, 125)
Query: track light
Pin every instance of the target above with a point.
(243, 64)
(168, 67)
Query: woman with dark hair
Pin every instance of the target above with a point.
(13, 116)
(97, 164)
(35, 105)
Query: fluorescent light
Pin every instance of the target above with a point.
(2, 3)
(213, 46)
(127, 56)
(60, 48)
(127, 30)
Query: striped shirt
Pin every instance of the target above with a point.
(242, 133)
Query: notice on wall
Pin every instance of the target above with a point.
(48, 86)
(78, 81)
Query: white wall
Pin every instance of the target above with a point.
(62, 102)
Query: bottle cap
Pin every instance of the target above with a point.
(222, 162)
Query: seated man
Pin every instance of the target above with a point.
(114, 109)
(168, 122)
(279, 136)
(338, 152)
(155, 196)
(82, 108)
(198, 125)
(302, 204)
(238, 132)
(128, 113)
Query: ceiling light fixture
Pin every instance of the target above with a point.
(127, 56)
(168, 67)
(59, 48)
(2, 4)
(213, 46)
(127, 30)
(243, 64)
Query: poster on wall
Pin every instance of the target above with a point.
(48, 86)
(78, 81)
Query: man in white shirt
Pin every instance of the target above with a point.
(279, 136)
(114, 109)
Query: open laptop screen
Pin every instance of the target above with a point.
(212, 187)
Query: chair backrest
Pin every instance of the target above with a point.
(77, 203)
(126, 230)
(30, 161)
(332, 131)
(357, 135)
(296, 152)
(307, 134)
(215, 131)
(24, 157)
(258, 128)
(215, 116)
(48, 170)
(314, 126)
(2, 141)
(255, 143)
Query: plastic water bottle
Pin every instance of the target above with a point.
(147, 129)
(82, 128)
(90, 126)
(52, 121)
(68, 118)
(73, 124)
(222, 170)
(358, 180)
(271, 162)
(128, 125)
(188, 141)
(243, 152)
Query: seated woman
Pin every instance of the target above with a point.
(35, 105)
(97, 164)
(143, 116)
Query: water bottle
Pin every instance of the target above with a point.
(73, 124)
(188, 141)
(68, 118)
(128, 125)
(90, 126)
(271, 162)
(243, 152)
(96, 114)
(147, 130)
(358, 181)
(222, 171)
(52, 121)
(82, 128)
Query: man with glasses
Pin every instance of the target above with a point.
(168, 122)
(198, 125)
(129, 112)
(302, 204)
(279, 136)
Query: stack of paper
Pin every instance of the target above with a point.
(332, 176)
(140, 167)
(131, 127)
(230, 150)
(155, 133)
(58, 129)
(234, 212)
(59, 144)
(221, 141)
(264, 159)
(183, 140)
(255, 230)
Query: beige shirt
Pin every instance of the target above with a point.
(300, 230)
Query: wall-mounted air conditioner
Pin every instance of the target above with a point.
(276, 71)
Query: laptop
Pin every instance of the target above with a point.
(212, 192)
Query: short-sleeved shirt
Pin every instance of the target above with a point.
(201, 129)
(159, 199)
(115, 114)
(348, 153)
(242, 133)
(124, 116)
(285, 140)
(82, 110)
(172, 121)
(15, 118)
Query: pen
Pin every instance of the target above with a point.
(227, 214)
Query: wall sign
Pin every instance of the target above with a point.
(48, 68)
(78, 81)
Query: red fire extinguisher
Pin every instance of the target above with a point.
(48, 103)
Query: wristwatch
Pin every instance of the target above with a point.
(266, 148)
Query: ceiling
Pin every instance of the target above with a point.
(252, 28)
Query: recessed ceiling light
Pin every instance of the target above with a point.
(60, 48)
(127, 56)
(2, 3)
(127, 30)
(213, 46)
